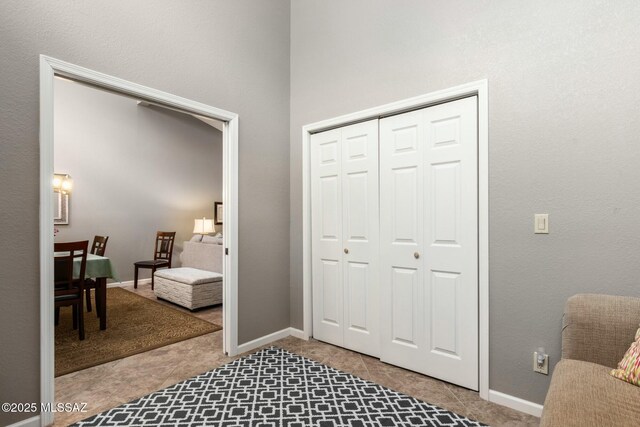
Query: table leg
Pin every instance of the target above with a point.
(102, 285)
(98, 295)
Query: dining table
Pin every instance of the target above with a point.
(100, 269)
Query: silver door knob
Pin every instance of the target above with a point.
(346, 251)
(416, 255)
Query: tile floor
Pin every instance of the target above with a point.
(109, 385)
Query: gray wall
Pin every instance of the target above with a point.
(230, 54)
(563, 132)
(136, 170)
(563, 123)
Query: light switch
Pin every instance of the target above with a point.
(541, 223)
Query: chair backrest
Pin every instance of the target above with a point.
(99, 245)
(65, 282)
(164, 245)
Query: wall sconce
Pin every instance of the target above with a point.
(62, 183)
(203, 226)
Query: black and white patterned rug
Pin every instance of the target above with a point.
(273, 387)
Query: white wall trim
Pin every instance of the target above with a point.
(29, 422)
(483, 236)
(46, 239)
(297, 333)
(267, 339)
(516, 403)
(230, 188)
(479, 88)
(51, 67)
(128, 283)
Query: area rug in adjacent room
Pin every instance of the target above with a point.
(135, 324)
(273, 387)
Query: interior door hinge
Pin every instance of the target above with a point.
(226, 251)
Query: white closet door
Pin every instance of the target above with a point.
(345, 236)
(429, 246)
(326, 229)
(360, 215)
(401, 231)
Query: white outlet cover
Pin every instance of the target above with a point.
(544, 369)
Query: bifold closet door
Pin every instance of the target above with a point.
(429, 241)
(345, 236)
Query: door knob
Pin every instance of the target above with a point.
(416, 255)
(346, 251)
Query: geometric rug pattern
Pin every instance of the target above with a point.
(274, 387)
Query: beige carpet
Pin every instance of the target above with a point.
(135, 324)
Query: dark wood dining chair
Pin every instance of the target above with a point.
(98, 247)
(161, 256)
(69, 290)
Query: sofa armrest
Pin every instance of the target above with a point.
(599, 328)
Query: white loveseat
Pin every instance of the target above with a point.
(198, 283)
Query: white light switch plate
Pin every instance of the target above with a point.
(541, 223)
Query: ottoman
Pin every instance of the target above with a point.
(191, 288)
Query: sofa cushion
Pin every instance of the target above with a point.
(189, 276)
(214, 240)
(584, 394)
(598, 328)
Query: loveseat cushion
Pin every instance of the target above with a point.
(584, 394)
(189, 276)
(598, 328)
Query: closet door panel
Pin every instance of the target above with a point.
(401, 219)
(404, 292)
(451, 240)
(326, 230)
(361, 236)
(428, 216)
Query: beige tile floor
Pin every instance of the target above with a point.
(109, 385)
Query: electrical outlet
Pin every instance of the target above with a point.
(541, 368)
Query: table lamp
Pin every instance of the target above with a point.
(203, 226)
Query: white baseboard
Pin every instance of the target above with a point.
(297, 333)
(128, 283)
(516, 403)
(29, 422)
(259, 342)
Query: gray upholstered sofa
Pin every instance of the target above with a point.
(198, 283)
(597, 331)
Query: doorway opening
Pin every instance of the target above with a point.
(51, 70)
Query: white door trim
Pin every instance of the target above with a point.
(479, 88)
(51, 67)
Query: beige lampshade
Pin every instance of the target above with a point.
(203, 226)
(62, 183)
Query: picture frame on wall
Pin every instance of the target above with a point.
(217, 213)
(61, 209)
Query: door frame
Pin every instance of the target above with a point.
(478, 88)
(49, 69)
